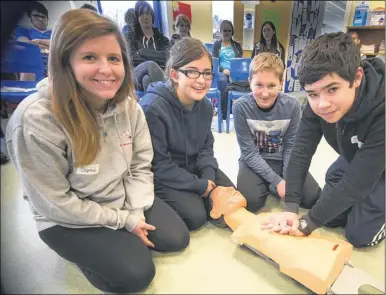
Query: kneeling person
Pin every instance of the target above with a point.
(347, 106)
(180, 117)
(266, 122)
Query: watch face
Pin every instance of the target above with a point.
(302, 224)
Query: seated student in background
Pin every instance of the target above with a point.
(83, 150)
(266, 121)
(130, 20)
(147, 71)
(346, 105)
(147, 42)
(183, 29)
(89, 7)
(268, 42)
(179, 118)
(37, 34)
(226, 49)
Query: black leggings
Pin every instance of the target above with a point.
(191, 207)
(116, 260)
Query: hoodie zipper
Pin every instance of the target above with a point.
(339, 137)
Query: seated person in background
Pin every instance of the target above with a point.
(268, 42)
(90, 7)
(183, 28)
(226, 49)
(148, 71)
(147, 42)
(346, 105)
(266, 122)
(130, 20)
(179, 118)
(93, 194)
(38, 34)
(357, 41)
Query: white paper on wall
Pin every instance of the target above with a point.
(297, 86)
(291, 85)
(296, 47)
(288, 75)
(300, 10)
(290, 52)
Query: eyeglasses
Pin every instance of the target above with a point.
(227, 31)
(193, 74)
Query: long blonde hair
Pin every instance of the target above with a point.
(69, 106)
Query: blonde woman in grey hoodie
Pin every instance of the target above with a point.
(83, 151)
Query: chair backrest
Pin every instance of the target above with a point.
(240, 68)
(216, 71)
(21, 57)
(209, 46)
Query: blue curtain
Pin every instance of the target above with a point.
(157, 15)
(99, 4)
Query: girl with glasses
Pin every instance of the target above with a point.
(179, 118)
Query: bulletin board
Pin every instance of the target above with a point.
(273, 16)
(305, 27)
(181, 8)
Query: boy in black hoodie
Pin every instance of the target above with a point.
(347, 106)
(179, 118)
(146, 42)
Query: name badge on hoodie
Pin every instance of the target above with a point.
(354, 139)
(88, 170)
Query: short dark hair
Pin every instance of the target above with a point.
(89, 6)
(39, 7)
(185, 51)
(141, 7)
(327, 54)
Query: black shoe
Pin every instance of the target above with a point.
(3, 159)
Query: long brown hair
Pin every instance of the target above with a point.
(69, 105)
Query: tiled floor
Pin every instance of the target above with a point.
(211, 264)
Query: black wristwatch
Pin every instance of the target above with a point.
(303, 227)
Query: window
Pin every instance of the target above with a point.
(221, 10)
(116, 10)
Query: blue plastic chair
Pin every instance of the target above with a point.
(140, 94)
(21, 57)
(239, 72)
(214, 92)
(209, 46)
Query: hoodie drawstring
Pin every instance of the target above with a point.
(147, 42)
(183, 132)
(104, 129)
(120, 139)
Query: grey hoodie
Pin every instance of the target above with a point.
(113, 191)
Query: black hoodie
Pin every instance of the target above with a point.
(142, 49)
(359, 137)
(182, 139)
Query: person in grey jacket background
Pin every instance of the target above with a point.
(83, 151)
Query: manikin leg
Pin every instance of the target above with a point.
(314, 261)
